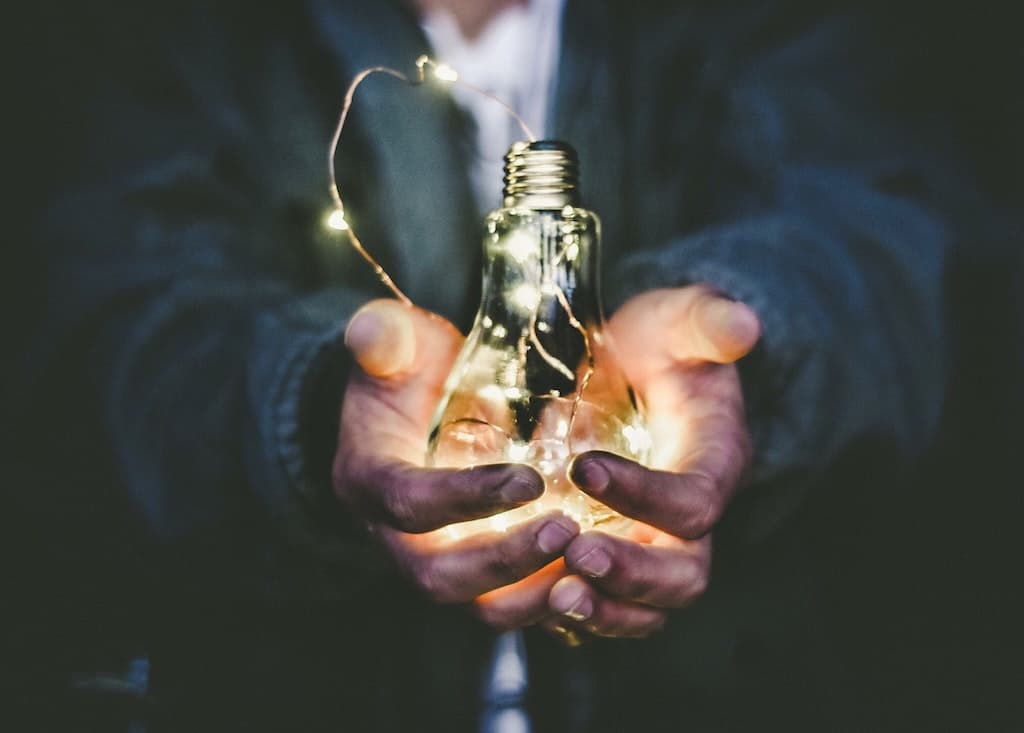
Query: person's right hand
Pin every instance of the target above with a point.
(403, 355)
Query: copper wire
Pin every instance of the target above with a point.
(421, 63)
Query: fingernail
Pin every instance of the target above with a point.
(362, 327)
(735, 326)
(591, 476)
(380, 336)
(521, 486)
(554, 536)
(572, 602)
(596, 563)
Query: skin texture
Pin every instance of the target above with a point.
(677, 348)
(403, 356)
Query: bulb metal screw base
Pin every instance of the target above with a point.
(541, 175)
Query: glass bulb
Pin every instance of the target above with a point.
(536, 381)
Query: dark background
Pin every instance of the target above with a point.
(928, 586)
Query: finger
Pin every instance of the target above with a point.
(683, 504)
(717, 329)
(667, 576)
(382, 339)
(660, 328)
(414, 499)
(523, 603)
(460, 571)
(581, 604)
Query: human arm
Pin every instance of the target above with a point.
(819, 209)
(816, 211)
(202, 305)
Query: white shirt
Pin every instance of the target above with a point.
(515, 58)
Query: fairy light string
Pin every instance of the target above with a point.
(338, 221)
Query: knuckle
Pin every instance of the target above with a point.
(431, 583)
(694, 583)
(706, 511)
(698, 585)
(400, 508)
(505, 562)
(652, 626)
(630, 581)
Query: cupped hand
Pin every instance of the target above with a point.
(678, 348)
(402, 357)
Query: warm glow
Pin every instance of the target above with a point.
(526, 297)
(518, 451)
(492, 393)
(444, 72)
(514, 393)
(336, 220)
(638, 438)
(499, 523)
(521, 245)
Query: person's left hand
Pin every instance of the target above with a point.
(678, 349)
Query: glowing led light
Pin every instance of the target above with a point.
(520, 246)
(444, 72)
(514, 393)
(492, 393)
(486, 322)
(638, 438)
(562, 429)
(499, 331)
(526, 297)
(499, 523)
(336, 220)
(464, 436)
(518, 451)
(572, 252)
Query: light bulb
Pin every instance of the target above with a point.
(536, 381)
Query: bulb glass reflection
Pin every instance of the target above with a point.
(537, 381)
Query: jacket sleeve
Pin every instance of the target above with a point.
(823, 223)
(183, 309)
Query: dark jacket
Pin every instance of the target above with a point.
(191, 352)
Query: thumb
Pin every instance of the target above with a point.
(717, 329)
(382, 339)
